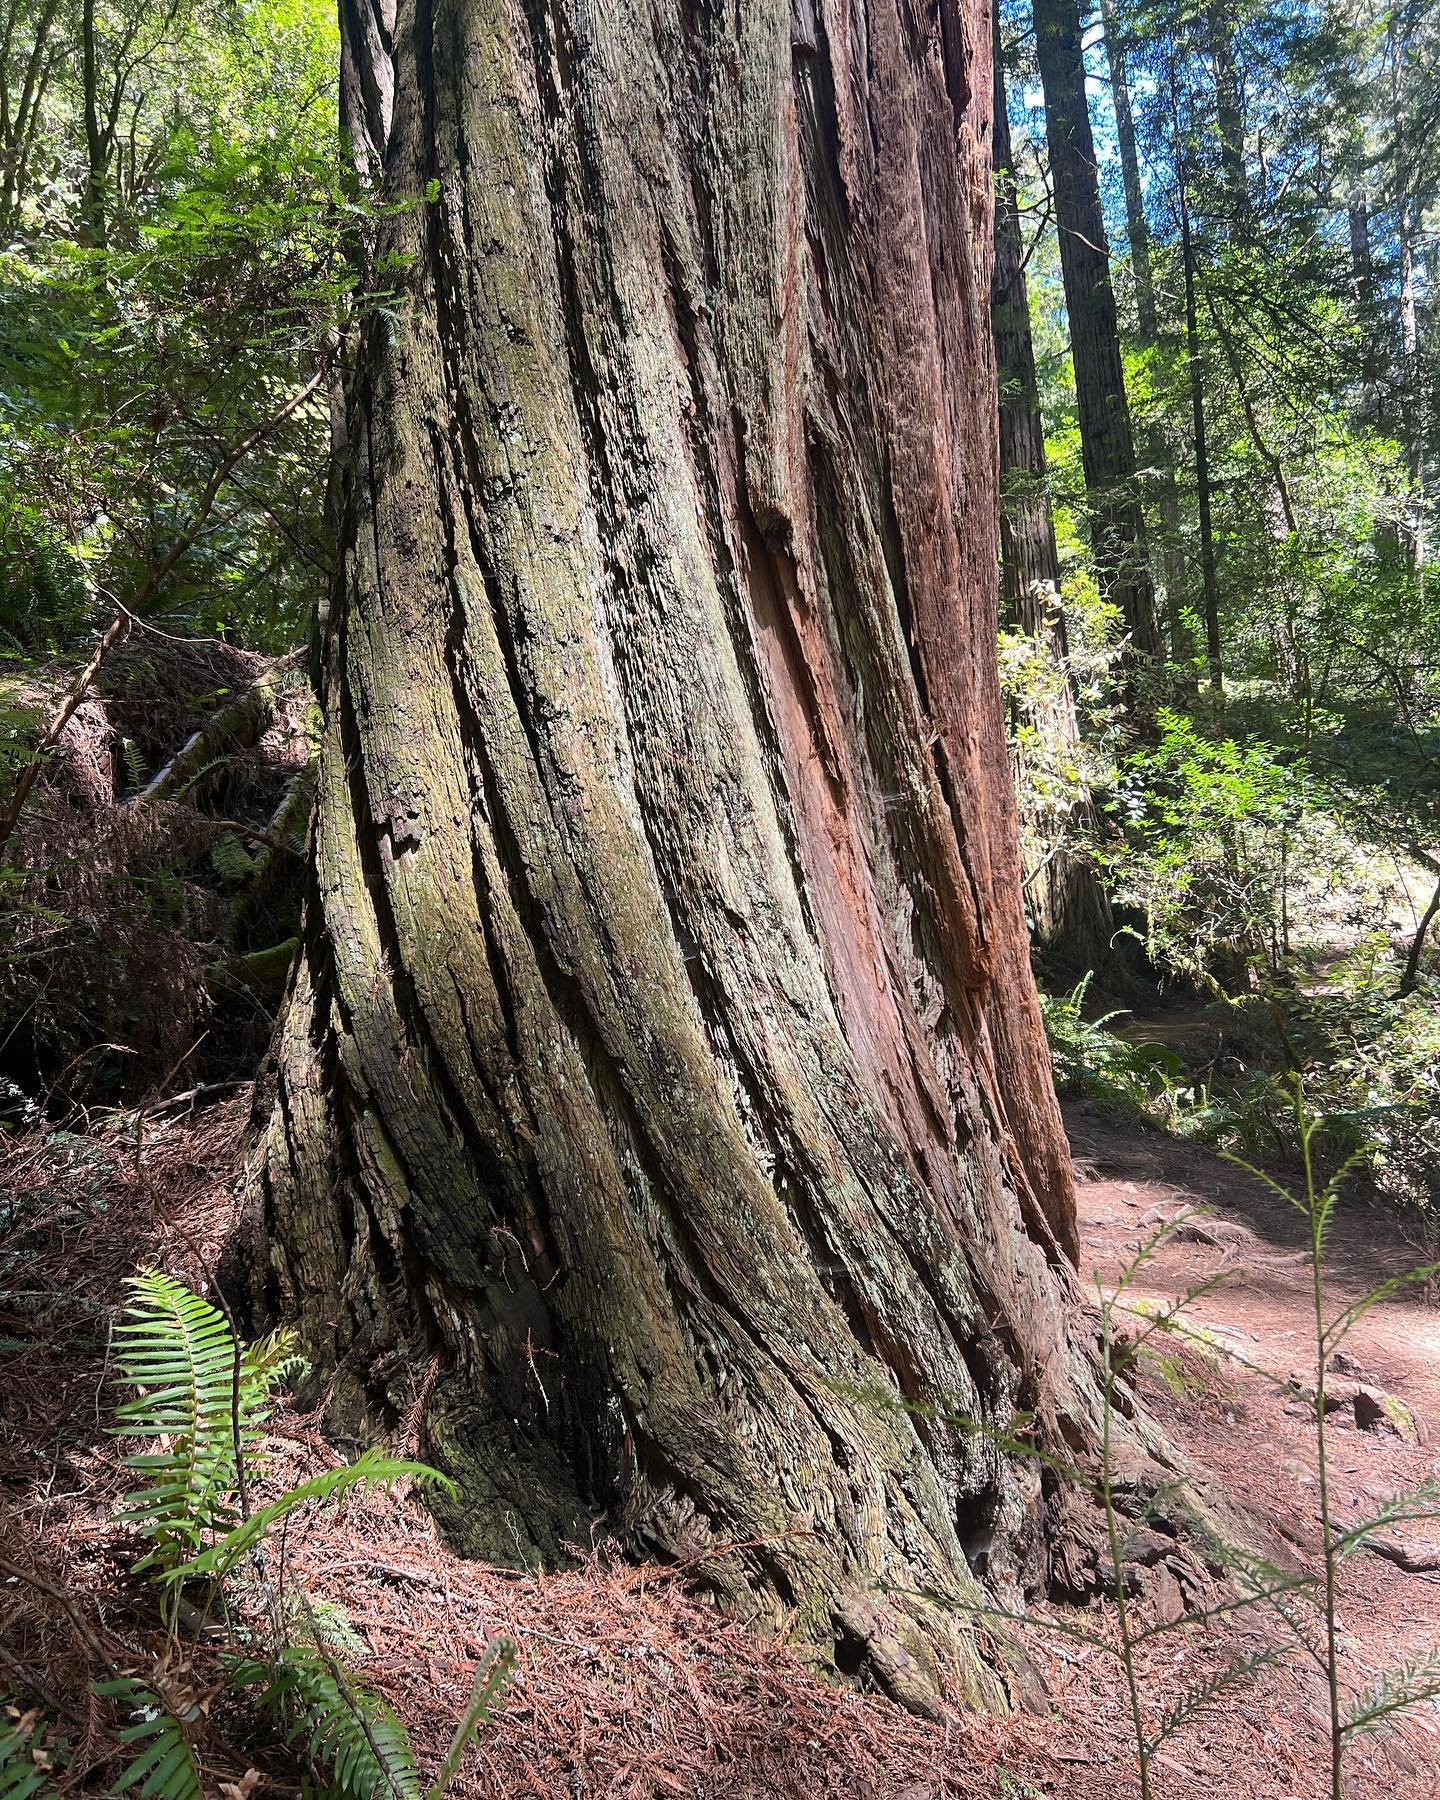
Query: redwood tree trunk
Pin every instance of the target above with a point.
(662, 1096)
(1063, 892)
(1106, 439)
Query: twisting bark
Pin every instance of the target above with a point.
(663, 1057)
(367, 84)
(1106, 439)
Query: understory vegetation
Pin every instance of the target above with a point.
(1259, 796)
(1225, 733)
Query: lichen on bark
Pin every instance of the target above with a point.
(663, 1077)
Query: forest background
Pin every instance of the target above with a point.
(1222, 674)
(1217, 256)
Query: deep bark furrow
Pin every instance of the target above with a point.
(677, 1036)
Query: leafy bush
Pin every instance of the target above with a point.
(1208, 842)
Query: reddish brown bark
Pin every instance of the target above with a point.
(664, 1065)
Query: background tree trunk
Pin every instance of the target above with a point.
(663, 1070)
(1209, 575)
(1412, 408)
(1137, 226)
(1107, 442)
(1158, 451)
(1230, 117)
(1063, 892)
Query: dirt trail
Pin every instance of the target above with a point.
(1254, 1437)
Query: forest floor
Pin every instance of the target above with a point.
(629, 1688)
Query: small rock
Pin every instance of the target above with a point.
(1165, 1596)
(1216, 1232)
(1343, 1363)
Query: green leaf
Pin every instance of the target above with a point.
(345, 1726)
(371, 1469)
(165, 1767)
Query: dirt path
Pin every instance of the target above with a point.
(1255, 1438)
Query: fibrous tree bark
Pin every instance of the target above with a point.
(1064, 895)
(1106, 438)
(662, 1113)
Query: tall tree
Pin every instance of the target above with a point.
(1137, 226)
(1209, 576)
(663, 1070)
(1230, 117)
(1154, 443)
(1063, 891)
(1107, 440)
(1413, 408)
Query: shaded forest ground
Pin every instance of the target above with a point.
(628, 1686)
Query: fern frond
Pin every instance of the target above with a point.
(371, 1469)
(197, 1390)
(232, 862)
(268, 1362)
(329, 1623)
(180, 1355)
(206, 768)
(347, 1729)
(22, 1777)
(164, 1768)
(492, 1677)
